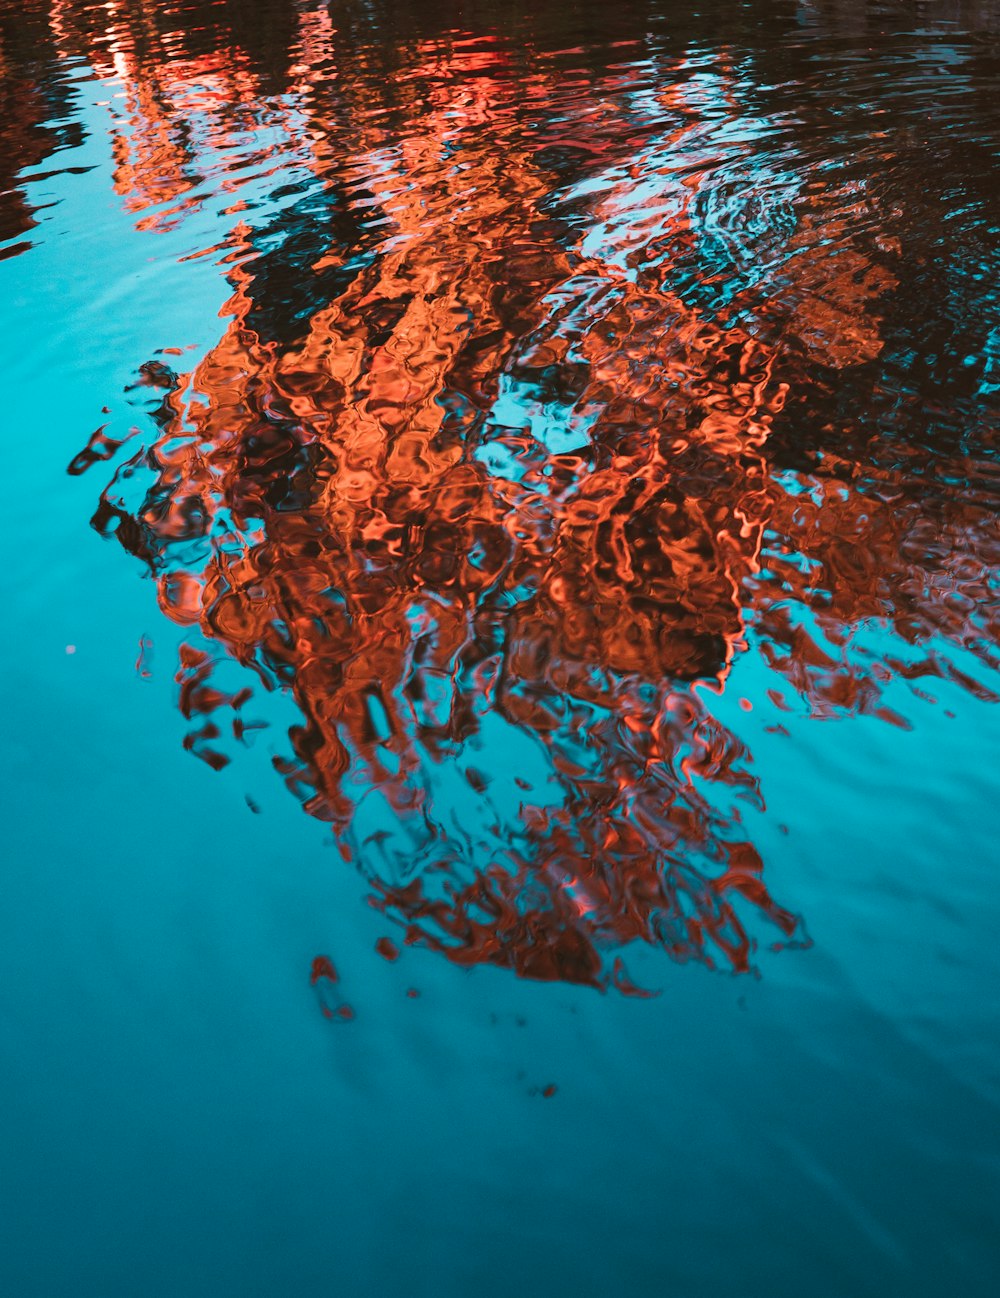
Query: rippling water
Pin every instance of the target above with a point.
(560, 446)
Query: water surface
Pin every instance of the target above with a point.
(555, 449)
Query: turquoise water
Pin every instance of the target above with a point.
(465, 284)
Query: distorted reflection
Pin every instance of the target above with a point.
(554, 381)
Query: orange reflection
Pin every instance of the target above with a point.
(504, 499)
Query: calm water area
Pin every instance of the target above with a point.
(501, 649)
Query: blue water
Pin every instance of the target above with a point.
(179, 1116)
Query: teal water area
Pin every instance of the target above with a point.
(181, 1112)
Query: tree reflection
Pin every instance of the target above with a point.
(486, 472)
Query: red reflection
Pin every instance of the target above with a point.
(503, 499)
